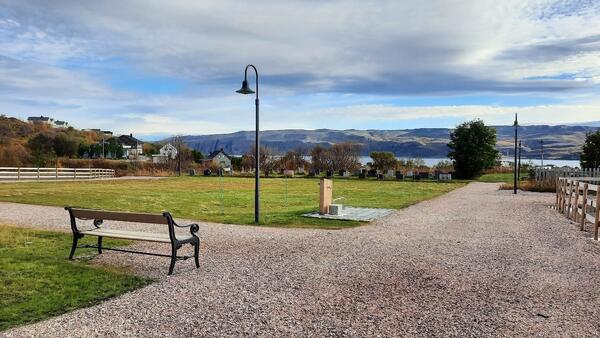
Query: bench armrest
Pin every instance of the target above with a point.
(193, 227)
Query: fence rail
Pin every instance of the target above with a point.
(30, 173)
(552, 174)
(578, 199)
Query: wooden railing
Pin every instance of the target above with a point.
(552, 174)
(27, 173)
(578, 199)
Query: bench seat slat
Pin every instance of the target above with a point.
(134, 235)
(119, 216)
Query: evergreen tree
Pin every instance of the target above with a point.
(473, 149)
(590, 155)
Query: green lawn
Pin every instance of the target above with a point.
(38, 281)
(226, 199)
(499, 177)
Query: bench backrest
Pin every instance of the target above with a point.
(119, 216)
(101, 215)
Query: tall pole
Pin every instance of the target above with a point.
(178, 156)
(103, 154)
(516, 125)
(542, 144)
(256, 160)
(246, 90)
(519, 166)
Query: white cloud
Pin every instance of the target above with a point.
(50, 56)
(497, 115)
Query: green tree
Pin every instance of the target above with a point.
(65, 145)
(114, 147)
(590, 155)
(197, 156)
(383, 160)
(473, 149)
(41, 147)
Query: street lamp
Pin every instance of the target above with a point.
(519, 166)
(246, 90)
(516, 125)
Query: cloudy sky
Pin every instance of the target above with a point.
(158, 68)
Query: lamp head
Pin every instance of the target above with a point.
(516, 124)
(245, 89)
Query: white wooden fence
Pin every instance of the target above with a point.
(552, 174)
(18, 173)
(578, 199)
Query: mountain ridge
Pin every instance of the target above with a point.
(560, 141)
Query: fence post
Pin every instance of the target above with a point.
(567, 196)
(597, 215)
(74, 173)
(19, 174)
(38, 173)
(56, 173)
(584, 206)
(560, 194)
(557, 191)
(564, 201)
(576, 202)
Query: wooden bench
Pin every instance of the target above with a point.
(99, 216)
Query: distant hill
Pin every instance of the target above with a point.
(560, 142)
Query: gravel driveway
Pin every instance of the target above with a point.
(474, 262)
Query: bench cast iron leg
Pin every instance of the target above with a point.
(75, 239)
(196, 252)
(99, 244)
(173, 258)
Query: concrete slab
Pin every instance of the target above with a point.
(355, 214)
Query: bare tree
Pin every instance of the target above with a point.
(319, 158)
(341, 156)
(292, 160)
(184, 156)
(267, 160)
(344, 156)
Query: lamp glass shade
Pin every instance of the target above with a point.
(245, 89)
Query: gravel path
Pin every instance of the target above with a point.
(475, 262)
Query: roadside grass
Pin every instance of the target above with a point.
(531, 186)
(226, 199)
(37, 281)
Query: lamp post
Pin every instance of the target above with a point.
(519, 165)
(516, 125)
(542, 145)
(246, 90)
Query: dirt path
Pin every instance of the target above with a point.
(474, 262)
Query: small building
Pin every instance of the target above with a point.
(60, 124)
(168, 151)
(48, 121)
(132, 147)
(218, 158)
(40, 120)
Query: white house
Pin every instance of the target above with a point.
(47, 120)
(132, 147)
(60, 124)
(219, 158)
(166, 152)
(40, 120)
